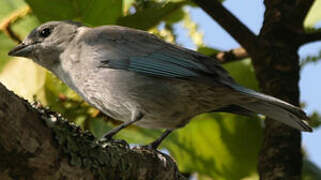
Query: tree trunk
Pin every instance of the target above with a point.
(277, 69)
(38, 144)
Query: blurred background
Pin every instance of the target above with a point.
(212, 146)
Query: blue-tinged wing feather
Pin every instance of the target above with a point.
(160, 65)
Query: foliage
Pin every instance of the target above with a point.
(150, 13)
(315, 119)
(311, 171)
(87, 11)
(311, 59)
(220, 146)
(314, 15)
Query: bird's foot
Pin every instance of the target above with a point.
(152, 146)
(109, 139)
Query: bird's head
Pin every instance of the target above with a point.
(45, 43)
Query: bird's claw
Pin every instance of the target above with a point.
(151, 146)
(110, 140)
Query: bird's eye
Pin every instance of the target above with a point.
(45, 32)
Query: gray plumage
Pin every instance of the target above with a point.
(124, 71)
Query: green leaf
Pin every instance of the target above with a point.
(101, 12)
(222, 146)
(92, 12)
(64, 100)
(25, 78)
(310, 171)
(151, 16)
(208, 51)
(314, 15)
(175, 16)
(24, 26)
(9, 6)
(138, 135)
(21, 75)
(315, 119)
(57, 92)
(243, 73)
(98, 126)
(9, 9)
(6, 44)
(310, 59)
(192, 28)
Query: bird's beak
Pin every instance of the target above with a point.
(22, 50)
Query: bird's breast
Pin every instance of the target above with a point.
(164, 102)
(120, 93)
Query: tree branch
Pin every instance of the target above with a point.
(301, 9)
(5, 25)
(309, 37)
(231, 24)
(38, 144)
(231, 55)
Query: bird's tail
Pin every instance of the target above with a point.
(273, 108)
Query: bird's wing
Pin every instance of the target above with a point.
(138, 51)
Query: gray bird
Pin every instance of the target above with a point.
(135, 77)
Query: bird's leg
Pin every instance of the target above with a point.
(136, 117)
(158, 141)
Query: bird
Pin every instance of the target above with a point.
(134, 76)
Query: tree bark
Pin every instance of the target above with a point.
(278, 73)
(231, 55)
(38, 144)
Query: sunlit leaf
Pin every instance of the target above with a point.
(25, 78)
(193, 31)
(13, 74)
(164, 33)
(12, 9)
(222, 146)
(253, 176)
(25, 26)
(8, 7)
(243, 73)
(98, 126)
(140, 136)
(126, 6)
(314, 15)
